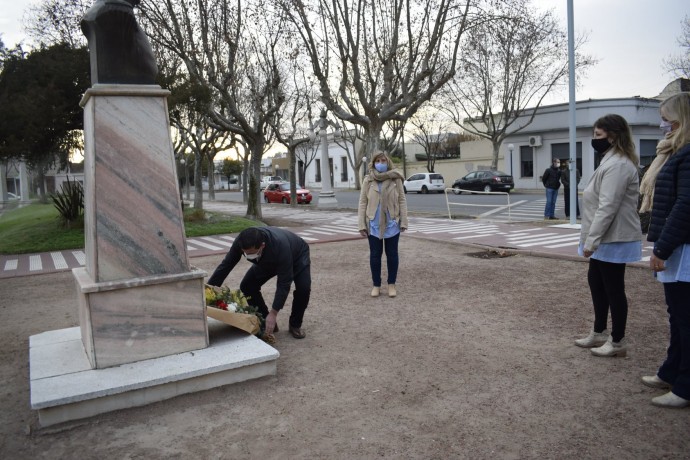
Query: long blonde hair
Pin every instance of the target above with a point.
(677, 109)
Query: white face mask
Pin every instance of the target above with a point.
(253, 257)
(666, 126)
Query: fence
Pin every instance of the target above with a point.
(458, 191)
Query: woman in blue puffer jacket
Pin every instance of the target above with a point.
(670, 231)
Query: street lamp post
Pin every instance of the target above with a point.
(327, 195)
(510, 150)
(186, 177)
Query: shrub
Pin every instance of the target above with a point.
(70, 203)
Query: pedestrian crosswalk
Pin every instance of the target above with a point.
(329, 226)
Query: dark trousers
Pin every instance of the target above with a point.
(607, 285)
(256, 277)
(376, 247)
(676, 368)
(566, 202)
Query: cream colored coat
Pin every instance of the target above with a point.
(609, 204)
(369, 199)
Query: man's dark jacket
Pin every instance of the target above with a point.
(552, 178)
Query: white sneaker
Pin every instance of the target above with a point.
(594, 339)
(653, 381)
(670, 400)
(611, 348)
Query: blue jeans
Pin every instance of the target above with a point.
(376, 247)
(676, 368)
(551, 197)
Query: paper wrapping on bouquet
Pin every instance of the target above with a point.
(244, 321)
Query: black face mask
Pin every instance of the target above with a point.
(601, 145)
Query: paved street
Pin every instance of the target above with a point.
(320, 226)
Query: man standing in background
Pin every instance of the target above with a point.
(552, 181)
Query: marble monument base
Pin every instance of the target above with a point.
(64, 387)
(141, 318)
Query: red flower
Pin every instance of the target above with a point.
(222, 305)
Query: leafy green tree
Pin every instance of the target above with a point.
(41, 120)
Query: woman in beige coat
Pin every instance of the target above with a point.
(382, 216)
(610, 235)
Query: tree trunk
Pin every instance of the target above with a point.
(253, 197)
(494, 157)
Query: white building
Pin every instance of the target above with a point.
(548, 137)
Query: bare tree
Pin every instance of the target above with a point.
(511, 61)
(431, 133)
(348, 140)
(295, 119)
(379, 60)
(679, 65)
(50, 22)
(232, 49)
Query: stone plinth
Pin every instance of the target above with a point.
(141, 318)
(64, 387)
(133, 217)
(139, 299)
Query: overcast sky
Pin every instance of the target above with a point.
(630, 38)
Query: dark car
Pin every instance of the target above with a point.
(280, 193)
(485, 181)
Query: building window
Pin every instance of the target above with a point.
(647, 151)
(317, 176)
(526, 161)
(343, 169)
(562, 152)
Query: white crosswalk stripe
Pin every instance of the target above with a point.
(11, 264)
(59, 260)
(35, 263)
(80, 256)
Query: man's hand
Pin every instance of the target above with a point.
(271, 321)
(364, 233)
(587, 252)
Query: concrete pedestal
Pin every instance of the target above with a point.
(64, 387)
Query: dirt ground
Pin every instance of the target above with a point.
(473, 359)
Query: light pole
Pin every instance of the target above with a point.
(510, 150)
(327, 195)
(186, 177)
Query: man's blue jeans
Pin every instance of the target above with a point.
(551, 197)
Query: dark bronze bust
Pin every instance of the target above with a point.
(119, 50)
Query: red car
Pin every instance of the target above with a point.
(280, 193)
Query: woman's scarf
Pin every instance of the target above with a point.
(387, 180)
(663, 152)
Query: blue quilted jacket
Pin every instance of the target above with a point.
(670, 224)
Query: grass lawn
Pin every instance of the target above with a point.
(37, 228)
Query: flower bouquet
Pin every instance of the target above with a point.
(231, 307)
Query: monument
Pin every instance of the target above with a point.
(141, 304)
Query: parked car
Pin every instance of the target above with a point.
(280, 193)
(485, 181)
(425, 183)
(267, 180)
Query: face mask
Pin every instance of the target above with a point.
(666, 126)
(253, 257)
(381, 167)
(601, 145)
